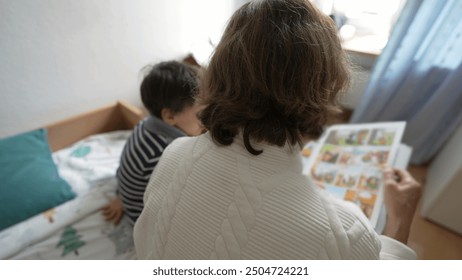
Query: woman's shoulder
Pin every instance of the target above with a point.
(187, 146)
(363, 241)
(188, 142)
(349, 214)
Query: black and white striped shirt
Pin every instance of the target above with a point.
(139, 158)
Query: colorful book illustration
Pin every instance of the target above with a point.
(347, 161)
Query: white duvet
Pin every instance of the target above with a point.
(76, 229)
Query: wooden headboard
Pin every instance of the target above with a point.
(118, 116)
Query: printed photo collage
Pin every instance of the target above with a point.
(349, 163)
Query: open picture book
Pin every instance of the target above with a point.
(348, 159)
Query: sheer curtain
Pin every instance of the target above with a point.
(418, 76)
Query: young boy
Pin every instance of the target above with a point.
(167, 91)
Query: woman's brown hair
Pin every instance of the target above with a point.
(275, 75)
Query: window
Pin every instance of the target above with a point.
(364, 25)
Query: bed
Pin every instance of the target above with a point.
(85, 151)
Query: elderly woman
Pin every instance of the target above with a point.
(237, 191)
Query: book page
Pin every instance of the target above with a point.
(347, 161)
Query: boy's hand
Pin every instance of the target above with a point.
(113, 211)
(401, 196)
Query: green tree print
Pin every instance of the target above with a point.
(70, 240)
(81, 151)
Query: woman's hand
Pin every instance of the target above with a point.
(401, 196)
(113, 211)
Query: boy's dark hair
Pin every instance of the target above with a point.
(274, 75)
(169, 84)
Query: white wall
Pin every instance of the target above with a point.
(443, 187)
(59, 58)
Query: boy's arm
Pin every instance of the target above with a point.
(113, 211)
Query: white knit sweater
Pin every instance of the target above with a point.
(220, 202)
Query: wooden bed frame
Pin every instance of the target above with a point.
(118, 116)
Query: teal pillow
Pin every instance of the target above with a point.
(29, 179)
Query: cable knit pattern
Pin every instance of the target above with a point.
(241, 216)
(167, 211)
(219, 202)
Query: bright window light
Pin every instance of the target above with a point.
(364, 25)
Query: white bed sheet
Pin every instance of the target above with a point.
(76, 229)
